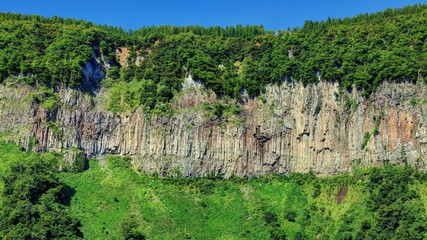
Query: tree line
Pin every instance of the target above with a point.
(360, 52)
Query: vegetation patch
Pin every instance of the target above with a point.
(47, 99)
(220, 110)
(115, 202)
(355, 52)
(374, 132)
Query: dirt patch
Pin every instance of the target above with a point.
(157, 199)
(122, 55)
(342, 194)
(239, 65)
(245, 190)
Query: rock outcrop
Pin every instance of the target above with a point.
(290, 128)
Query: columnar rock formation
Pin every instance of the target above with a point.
(290, 128)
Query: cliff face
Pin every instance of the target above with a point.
(290, 128)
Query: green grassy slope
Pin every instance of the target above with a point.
(108, 198)
(112, 201)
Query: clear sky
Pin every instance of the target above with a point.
(132, 14)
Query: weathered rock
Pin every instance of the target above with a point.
(293, 129)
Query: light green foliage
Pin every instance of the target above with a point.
(270, 207)
(350, 103)
(114, 202)
(54, 127)
(127, 97)
(115, 162)
(46, 98)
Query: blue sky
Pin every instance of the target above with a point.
(273, 14)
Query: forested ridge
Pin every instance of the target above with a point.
(362, 51)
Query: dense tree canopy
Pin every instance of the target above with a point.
(362, 52)
(32, 198)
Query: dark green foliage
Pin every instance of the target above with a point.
(220, 110)
(352, 52)
(68, 53)
(362, 51)
(32, 197)
(374, 132)
(396, 213)
(114, 72)
(290, 215)
(79, 162)
(365, 141)
(129, 229)
(45, 53)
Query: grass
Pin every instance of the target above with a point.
(196, 208)
(112, 201)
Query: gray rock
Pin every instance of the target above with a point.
(297, 129)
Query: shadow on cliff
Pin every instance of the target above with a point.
(92, 76)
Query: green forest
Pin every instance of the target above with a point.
(112, 201)
(360, 52)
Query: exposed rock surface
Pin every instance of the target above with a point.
(291, 128)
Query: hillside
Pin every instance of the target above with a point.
(166, 132)
(240, 100)
(111, 201)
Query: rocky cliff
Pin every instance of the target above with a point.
(290, 128)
